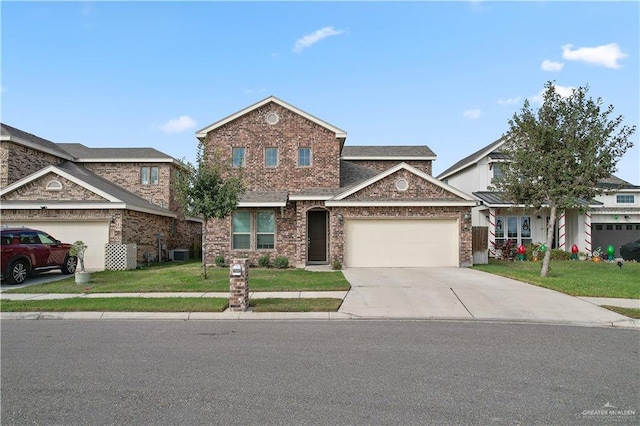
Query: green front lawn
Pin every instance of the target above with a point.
(577, 278)
(171, 304)
(187, 277)
(117, 304)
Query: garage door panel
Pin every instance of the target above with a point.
(401, 243)
(94, 234)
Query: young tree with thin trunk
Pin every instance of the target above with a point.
(559, 152)
(202, 191)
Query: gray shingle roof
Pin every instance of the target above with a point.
(129, 198)
(36, 141)
(353, 174)
(399, 152)
(614, 182)
(83, 152)
(264, 197)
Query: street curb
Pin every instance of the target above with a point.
(629, 324)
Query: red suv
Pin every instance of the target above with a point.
(26, 251)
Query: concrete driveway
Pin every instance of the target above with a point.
(462, 293)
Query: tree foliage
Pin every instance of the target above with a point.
(559, 152)
(207, 190)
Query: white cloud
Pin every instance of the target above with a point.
(563, 91)
(552, 66)
(472, 114)
(311, 39)
(606, 55)
(180, 124)
(509, 101)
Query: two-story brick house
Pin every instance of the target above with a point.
(314, 200)
(612, 218)
(98, 195)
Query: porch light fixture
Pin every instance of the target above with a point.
(340, 218)
(467, 216)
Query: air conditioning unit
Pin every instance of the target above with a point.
(181, 255)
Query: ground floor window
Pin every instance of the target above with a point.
(259, 226)
(516, 228)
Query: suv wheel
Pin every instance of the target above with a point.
(18, 272)
(69, 265)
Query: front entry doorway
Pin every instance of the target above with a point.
(317, 236)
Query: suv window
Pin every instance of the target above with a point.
(28, 238)
(46, 239)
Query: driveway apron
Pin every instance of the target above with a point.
(462, 293)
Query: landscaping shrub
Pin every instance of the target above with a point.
(281, 262)
(336, 265)
(219, 260)
(264, 261)
(557, 254)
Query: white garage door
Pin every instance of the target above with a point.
(94, 234)
(401, 242)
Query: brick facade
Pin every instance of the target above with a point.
(252, 132)
(17, 162)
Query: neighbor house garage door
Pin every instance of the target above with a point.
(94, 234)
(615, 234)
(401, 242)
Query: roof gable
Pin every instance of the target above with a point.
(472, 159)
(403, 166)
(11, 134)
(340, 134)
(114, 195)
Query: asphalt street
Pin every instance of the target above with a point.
(317, 372)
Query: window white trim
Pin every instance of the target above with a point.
(54, 185)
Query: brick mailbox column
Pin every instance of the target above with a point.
(239, 285)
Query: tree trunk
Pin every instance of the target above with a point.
(204, 247)
(547, 253)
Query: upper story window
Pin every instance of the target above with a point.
(149, 175)
(497, 171)
(238, 157)
(304, 157)
(625, 199)
(271, 157)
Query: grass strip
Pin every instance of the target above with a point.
(627, 312)
(324, 304)
(576, 278)
(117, 304)
(187, 277)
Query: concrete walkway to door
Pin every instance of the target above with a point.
(463, 293)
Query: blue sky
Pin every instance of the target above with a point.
(444, 74)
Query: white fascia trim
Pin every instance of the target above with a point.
(64, 174)
(413, 170)
(310, 197)
(388, 157)
(348, 203)
(9, 205)
(203, 132)
(35, 205)
(125, 160)
(474, 160)
(263, 204)
(40, 148)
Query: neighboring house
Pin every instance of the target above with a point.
(98, 195)
(610, 219)
(314, 200)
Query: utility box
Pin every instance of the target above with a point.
(181, 255)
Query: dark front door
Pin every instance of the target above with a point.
(317, 236)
